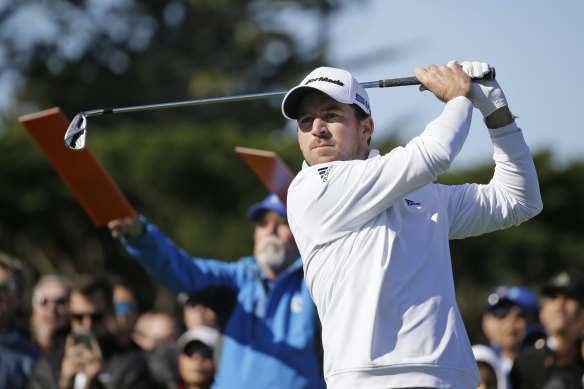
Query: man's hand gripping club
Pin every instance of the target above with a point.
(486, 95)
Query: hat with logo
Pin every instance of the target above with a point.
(206, 335)
(568, 283)
(337, 83)
(485, 354)
(270, 203)
(521, 296)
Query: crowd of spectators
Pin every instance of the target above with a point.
(90, 332)
(534, 341)
(93, 331)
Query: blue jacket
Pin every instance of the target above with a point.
(272, 334)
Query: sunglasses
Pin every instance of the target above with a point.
(123, 308)
(7, 286)
(198, 348)
(95, 317)
(40, 299)
(503, 311)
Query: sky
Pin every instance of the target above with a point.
(536, 47)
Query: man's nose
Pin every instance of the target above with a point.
(319, 126)
(272, 227)
(87, 323)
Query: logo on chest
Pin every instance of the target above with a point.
(296, 304)
(324, 172)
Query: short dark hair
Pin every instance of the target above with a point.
(361, 115)
(89, 284)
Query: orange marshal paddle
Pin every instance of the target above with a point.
(92, 186)
(270, 169)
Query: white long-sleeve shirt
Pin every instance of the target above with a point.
(373, 235)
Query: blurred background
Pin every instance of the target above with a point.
(178, 167)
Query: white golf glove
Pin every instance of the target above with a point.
(488, 96)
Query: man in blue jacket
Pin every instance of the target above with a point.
(271, 331)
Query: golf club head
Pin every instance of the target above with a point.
(75, 135)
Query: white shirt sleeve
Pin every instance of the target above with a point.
(334, 198)
(510, 198)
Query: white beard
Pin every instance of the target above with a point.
(271, 253)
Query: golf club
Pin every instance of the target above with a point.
(75, 137)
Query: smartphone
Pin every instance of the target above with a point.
(82, 338)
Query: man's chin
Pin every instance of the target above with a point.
(322, 158)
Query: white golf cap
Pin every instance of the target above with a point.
(337, 83)
(206, 335)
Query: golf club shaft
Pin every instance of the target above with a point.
(76, 133)
(391, 82)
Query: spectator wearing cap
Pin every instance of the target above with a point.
(271, 333)
(487, 361)
(510, 314)
(556, 363)
(195, 349)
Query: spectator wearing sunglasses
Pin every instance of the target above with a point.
(557, 362)
(50, 310)
(17, 354)
(90, 356)
(195, 357)
(510, 315)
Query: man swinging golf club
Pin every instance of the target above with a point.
(373, 228)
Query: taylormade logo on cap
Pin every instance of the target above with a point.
(324, 79)
(337, 83)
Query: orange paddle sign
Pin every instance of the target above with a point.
(270, 169)
(92, 186)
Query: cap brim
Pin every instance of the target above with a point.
(200, 334)
(292, 100)
(566, 291)
(256, 212)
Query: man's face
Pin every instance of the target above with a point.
(89, 313)
(506, 325)
(125, 306)
(273, 225)
(488, 377)
(329, 130)
(561, 315)
(155, 329)
(195, 365)
(195, 314)
(50, 307)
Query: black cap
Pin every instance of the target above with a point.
(568, 283)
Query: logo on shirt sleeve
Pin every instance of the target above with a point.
(411, 203)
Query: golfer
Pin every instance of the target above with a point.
(373, 228)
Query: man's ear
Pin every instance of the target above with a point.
(367, 127)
